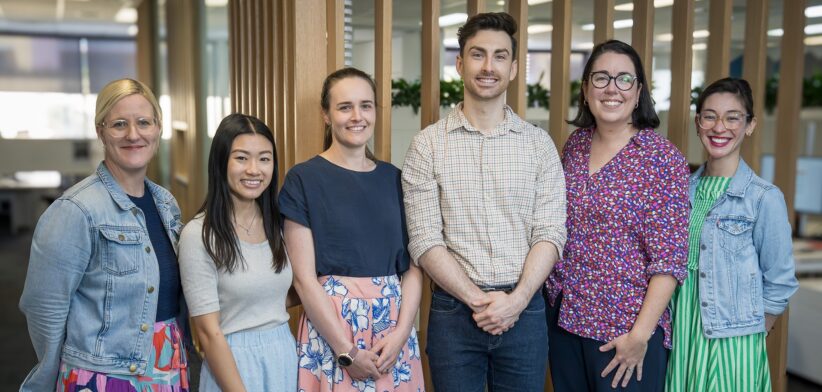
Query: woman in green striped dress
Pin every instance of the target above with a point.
(740, 263)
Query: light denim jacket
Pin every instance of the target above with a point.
(90, 296)
(746, 266)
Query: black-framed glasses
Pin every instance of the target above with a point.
(140, 123)
(732, 120)
(624, 81)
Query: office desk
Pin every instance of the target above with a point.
(25, 199)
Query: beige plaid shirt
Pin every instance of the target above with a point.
(487, 198)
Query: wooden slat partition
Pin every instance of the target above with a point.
(516, 90)
(719, 42)
(753, 70)
(188, 181)
(475, 7)
(603, 20)
(382, 66)
(787, 145)
(146, 41)
(560, 71)
(335, 17)
(642, 34)
(681, 64)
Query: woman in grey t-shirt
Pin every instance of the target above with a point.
(234, 269)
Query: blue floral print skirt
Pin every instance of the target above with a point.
(167, 370)
(367, 308)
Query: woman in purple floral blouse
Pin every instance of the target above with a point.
(627, 189)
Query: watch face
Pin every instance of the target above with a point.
(344, 360)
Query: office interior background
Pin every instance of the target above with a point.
(207, 58)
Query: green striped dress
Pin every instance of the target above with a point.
(696, 363)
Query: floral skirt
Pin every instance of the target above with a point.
(367, 308)
(168, 370)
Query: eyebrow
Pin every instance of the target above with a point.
(481, 49)
(351, 103)
(238, 150)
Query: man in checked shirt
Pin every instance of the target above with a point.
(485, 207)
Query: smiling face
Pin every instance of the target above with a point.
(351, 112)
(610, 106)
(250, 166)
(130, 135)
(724, 110)
(487, 65)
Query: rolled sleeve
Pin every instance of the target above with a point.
(421, 199)
(665, 227)
(61, 249)
(550, 203)
(772, 236)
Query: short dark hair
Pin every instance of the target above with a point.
(738, 87)
(325, 99)
(644, 116)
(497, 21)
(219, 236)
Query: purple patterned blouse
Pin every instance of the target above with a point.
(626, 223)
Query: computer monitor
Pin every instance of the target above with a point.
(808, 197)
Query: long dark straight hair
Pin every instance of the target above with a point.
(219, 235)
(325, 99)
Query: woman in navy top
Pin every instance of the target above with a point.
(345, 233)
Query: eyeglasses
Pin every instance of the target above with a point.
(142, 124)
(732, 120)
(623, 81)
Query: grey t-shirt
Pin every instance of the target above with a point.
(251, 298)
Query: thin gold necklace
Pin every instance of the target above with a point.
(249, 227)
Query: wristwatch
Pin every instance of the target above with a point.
(346, 359)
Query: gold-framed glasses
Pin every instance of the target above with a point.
(732, 120)
(121, 125)
(624, 81)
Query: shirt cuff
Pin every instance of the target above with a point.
(418, 248)
(667, 268)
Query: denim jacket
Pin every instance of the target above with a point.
(746, 266)
(90, 296)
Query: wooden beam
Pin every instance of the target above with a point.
(475, 7)
(603, 20)
(382, 38)
(719, 42)
(753, 70)
(560, 71)
(515, 97)
(679, 117)
(335, 18)
(430, 88)
(777, 348)
(642, 34)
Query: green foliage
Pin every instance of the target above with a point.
(811, 91)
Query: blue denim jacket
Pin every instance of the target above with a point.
(746, 266)
(90, 296)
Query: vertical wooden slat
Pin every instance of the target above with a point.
(233, 54)
(753, 70)
(475, 7)
(146, 41)
(430, 89)
(603, 20)
(515, 96)
(719, 42)
(786, 152)
(681, 62)
(335, 18)
(307, 66)
(642, 34)
(560, 70)
(382, 38)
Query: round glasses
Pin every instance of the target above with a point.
(623, 81)
(142, 124)
(732, 120)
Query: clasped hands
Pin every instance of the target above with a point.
(379, 359)
(496, 312)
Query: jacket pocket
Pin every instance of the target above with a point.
(735, 232)
(121, 247)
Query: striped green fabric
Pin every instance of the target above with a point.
(698, 364)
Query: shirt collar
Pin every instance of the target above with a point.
(456, 120)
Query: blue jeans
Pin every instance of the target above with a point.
(463, 357)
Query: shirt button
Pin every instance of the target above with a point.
(704, 304)
(702, 274)
(144, 327)
(148, 249)
(132, 368)
(703, 247)
(121, 237)
(150, 289)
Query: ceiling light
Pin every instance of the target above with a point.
(700, 46)
(133, 30)
(813, 29)
(630, 6)
(535, 2)
(126, 15)
(667, 37)
(540, 28)
(584, 46)
(501, 2)
(701, 33)
(216, 3)
(813, 41)
(813, 12)
(453, 19)
(618, 24)
(451, 43)
(775, 33)
(588, 27)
